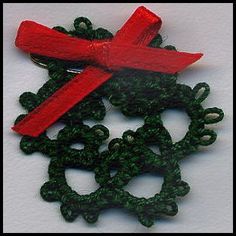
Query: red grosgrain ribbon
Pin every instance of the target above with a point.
(127, 49)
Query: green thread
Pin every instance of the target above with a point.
(136, 93)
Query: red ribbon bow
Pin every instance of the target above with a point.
(127, 49)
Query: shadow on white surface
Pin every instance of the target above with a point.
(145, 185)
(53, 130)
(82, 181)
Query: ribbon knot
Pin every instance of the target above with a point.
(128, 49)
(101, 54)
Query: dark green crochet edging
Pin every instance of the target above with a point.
(136, 93)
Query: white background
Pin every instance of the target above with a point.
(205, 28)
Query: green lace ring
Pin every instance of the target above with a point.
(133, 160)
(131, 154)
(92, 138)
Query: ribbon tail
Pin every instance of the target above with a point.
(153, 59)
(37, 121)
(139, 29)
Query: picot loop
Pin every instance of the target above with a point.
(209, 112)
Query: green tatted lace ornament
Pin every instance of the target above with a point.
(136, 93)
